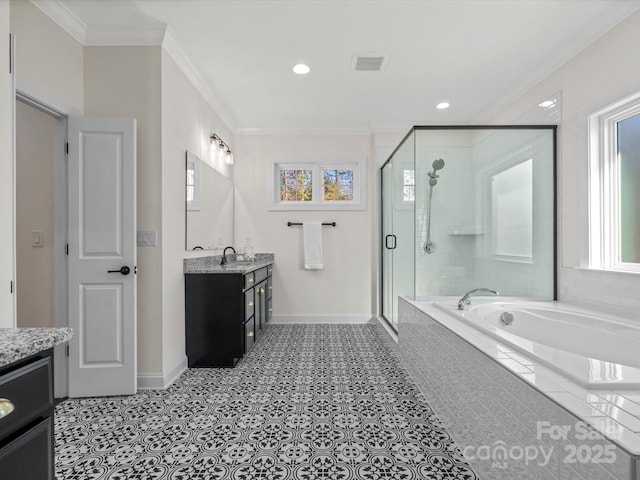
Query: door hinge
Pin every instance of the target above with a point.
(67, 350)
(11, 286)
(11, 53)
(66, 148)
(67, 249)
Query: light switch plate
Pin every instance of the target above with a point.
(147, 238)
(36, 238)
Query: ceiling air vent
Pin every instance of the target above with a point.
(369, 62)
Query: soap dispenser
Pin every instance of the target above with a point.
(247, 250)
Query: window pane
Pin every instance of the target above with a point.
(629, 157)
(512, 210)
(409, 194)
(409, 182)
(190, 193)
(296, 185)
(337, 185)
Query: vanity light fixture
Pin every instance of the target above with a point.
(220, 149)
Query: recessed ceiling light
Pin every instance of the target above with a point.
(301, 69)
(547, 103)
(442, 105)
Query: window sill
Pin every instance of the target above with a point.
(608, 270)
(311, 206)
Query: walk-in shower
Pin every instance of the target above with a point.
(486, 219)
(438, 164)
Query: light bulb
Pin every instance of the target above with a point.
(222, 150)
(228, 158)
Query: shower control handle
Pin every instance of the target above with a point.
(386, 242)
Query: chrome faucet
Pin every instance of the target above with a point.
(224, 255)
(466, 298)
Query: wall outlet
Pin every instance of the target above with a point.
(147, 238)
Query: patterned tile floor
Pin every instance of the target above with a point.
(309, 402)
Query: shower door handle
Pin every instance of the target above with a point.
(386, 242)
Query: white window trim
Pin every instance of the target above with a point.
(357, 164)
(603, 181)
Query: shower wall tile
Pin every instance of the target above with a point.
(483, 405)
(614, 293)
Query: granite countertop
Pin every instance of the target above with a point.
(211, 264)
(19, 343)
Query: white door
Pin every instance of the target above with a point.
(102, 256)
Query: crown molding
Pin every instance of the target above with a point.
(65, 18)
(175, 51)
(304, 131)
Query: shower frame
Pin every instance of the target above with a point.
(383, 239)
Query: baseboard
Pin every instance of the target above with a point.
(160, 381)
(310, 318)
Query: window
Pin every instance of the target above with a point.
(337, 185)
(512, 212)
(193, 182)
(317, 184)
(295, 185)
(408, 186)
(614, 186)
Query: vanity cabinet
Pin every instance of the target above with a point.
(225, 313)
(26, 425)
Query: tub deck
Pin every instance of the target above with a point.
(613, 412)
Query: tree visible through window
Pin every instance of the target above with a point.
(296, 185)
(337, 185)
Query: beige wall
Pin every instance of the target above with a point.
(125, 82)
(604, 68)
(187, 122)
(344, 286)
(34, 211)
(48, 59)
(6, 173)
(600, 74)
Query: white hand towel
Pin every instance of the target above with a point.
(312, 236)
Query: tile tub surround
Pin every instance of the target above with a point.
(211, 264)
(308, 402)
(495, 397)
(19, 343)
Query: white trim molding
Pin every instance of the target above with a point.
(161, 381)
(320, 318)
(63, 17)
(176, 52)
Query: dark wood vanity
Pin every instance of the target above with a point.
(226, 309)
(26, 402)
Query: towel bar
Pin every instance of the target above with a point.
(329, 224)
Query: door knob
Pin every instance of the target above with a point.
(123, 270)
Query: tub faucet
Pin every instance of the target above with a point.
(466, 298)
(224, 255)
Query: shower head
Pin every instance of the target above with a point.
(438, 164)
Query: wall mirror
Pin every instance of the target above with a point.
(209, 206)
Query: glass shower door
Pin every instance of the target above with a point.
(398, 230)
(388, 242)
